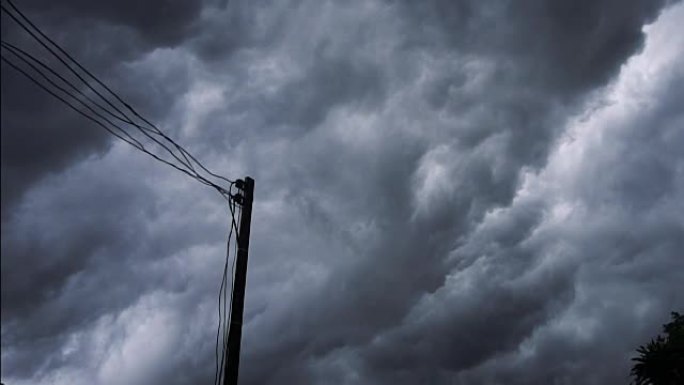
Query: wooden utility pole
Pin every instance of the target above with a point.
(230, 372)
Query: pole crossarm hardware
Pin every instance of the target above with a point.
(243, 198)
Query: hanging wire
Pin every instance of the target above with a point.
(225, 306)
(181, 155)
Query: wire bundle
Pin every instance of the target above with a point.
(225, 307)
(108, 110)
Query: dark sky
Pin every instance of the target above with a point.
(447, 192)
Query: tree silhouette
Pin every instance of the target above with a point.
(661, 361)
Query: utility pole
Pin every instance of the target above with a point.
(230, 372)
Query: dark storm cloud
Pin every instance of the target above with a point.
(563, 45)
(160, 23)
(405, 259)
(395, 272)
(627, 258)
(414, 221)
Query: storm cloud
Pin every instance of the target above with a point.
(447, 192)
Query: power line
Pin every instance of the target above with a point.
(184, 157)
(29, 59)
(18, 51)
(128, 106)
(223, 316)
(16, 67)
(133, 142)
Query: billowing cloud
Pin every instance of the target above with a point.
(447, 192)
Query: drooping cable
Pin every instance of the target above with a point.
(22, 55)
(220, 327)
(33, 62)
(183, 152)
(26, 57)
(225, 306)
(230, 299)
(182, 156)
(94, 119)
(16, 67)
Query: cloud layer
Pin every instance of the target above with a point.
(466, 192)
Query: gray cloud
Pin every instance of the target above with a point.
(443, 194)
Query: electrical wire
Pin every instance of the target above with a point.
(16, 67)
(98, 81)
(187, 158)
(20, 54)
(29, 60)
(133, 142)
(18, 51)
(224, 316)
(220, 326)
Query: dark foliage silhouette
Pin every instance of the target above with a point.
(661, 361)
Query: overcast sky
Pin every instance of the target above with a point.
(447, 192)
